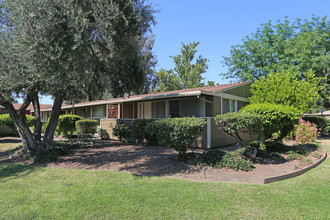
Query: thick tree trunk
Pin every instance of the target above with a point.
(37, 119)
(23, 129)
(48, 140)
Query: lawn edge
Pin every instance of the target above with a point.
(298, 172)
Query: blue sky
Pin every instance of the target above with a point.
(218, 25)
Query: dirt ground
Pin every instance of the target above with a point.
(158, 161)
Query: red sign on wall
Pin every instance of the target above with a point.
(112, 111)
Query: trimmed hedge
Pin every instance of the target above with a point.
(176, 133)
(86, 127)
(319, 121)
(138, 127)
(279, 120)
(67, 124)
(122, 131)
(6, 120)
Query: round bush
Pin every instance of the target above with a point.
(67, 124)
(86, 127)
(319, 121)
(6, 120)
(279, 120)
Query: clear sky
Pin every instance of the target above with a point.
(218, 25)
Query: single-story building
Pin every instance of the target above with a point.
(205, 102)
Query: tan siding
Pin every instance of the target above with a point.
(242, 91)
(216, 106)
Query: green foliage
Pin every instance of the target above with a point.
(6, 120)
(177, 133)
(286, 89)
(233, 123)
(219, 159)
(86, 127)
(67, 124)
(185, 74)
(62, 148)
(122, 131)
(319, 121)
(306, 132)
(278, 120)
(293, 156)
(297, 47)
(140, 131)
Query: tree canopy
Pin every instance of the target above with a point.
(297, 46)
(285, 89)
(66, 49)
(185, 74)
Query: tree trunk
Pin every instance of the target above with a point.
(48, 140)
(37, 119)
(23, 129)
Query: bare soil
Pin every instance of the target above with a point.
(160, 161)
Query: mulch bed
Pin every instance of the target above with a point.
(160, 161)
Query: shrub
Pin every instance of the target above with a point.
(67, 124)
(319, 121)
(86, 127)
(278, 120)
(218, 158)
(177, 133)
(139, 129)
(122, 131)
(5, 119)
(306, 132)
(233, 123)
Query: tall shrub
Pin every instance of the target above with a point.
(177, 133)
(67, 124)
(86, 127)
(278, 120)
(138, 127)
(122, 131)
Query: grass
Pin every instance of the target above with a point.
(44, 193)
(9, 146)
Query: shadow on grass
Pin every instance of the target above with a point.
(15, 170)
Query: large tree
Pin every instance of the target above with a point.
(285, 89)
(185, 74)
(296, 46)
(58, 47)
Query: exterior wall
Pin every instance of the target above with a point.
(216, 106)
(242, 91)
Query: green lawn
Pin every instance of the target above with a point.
(43, 193)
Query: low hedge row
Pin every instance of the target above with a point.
(176, 133)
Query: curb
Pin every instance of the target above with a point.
(296, 173)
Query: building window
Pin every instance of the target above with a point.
(229, 106)
(175, 108)
(158, 109)
(98, 111)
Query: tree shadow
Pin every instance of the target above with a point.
(15, 170)
(136, 159)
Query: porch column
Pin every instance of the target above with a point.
(208, 132)
(167, 109)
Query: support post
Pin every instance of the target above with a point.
(208, 132)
